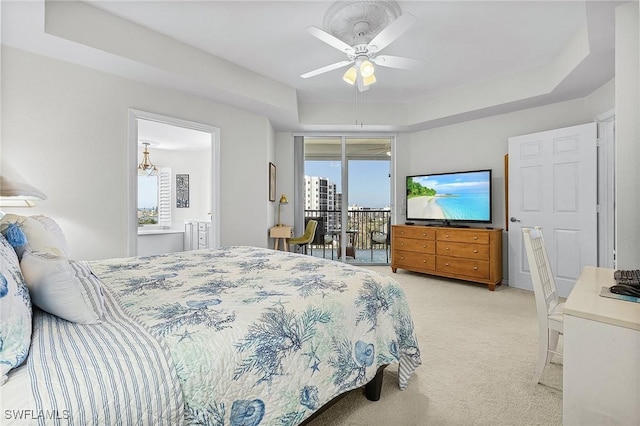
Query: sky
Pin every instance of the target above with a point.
(369, 181)
(147, 191)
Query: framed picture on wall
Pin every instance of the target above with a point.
(272, 182)
(182, 191)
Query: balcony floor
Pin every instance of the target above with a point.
(363, 256)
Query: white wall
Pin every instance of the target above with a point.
(271, 157)
(284, 176)
(627, 136)
(65, 131)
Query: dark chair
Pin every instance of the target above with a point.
(321, 238)
(380, 237)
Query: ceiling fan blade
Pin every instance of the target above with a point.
(392, 32)
(326, 69)
(396, 62)
(330, 39)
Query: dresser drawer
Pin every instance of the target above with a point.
(420, 232)
(466, 267)
(462, 236)
(466, 250)
(413, 260)
(412, 244)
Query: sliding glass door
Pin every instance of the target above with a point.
(347, 189)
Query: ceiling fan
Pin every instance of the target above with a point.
(368, 38)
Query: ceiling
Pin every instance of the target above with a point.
(462, 45)
(169, 137)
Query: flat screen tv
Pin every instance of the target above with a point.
(450, 197)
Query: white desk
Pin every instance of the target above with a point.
(601, 373)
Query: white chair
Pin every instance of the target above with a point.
(550, 311)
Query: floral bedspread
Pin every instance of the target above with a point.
(261, 337)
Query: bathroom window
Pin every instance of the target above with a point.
(154, 198)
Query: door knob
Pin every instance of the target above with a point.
(513, 219)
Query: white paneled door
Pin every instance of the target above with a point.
(553, 184)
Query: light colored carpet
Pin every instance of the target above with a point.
(479, 351)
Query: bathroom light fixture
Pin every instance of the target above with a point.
(146, 166)
(283, 200)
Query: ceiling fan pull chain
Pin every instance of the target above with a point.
(356, 106)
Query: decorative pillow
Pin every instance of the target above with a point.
(52, 227)
(14, 235)
(65, 288)
(15, 312)
(40, 236)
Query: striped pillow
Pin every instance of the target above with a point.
(65, 288)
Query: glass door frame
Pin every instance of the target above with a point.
(344, 207)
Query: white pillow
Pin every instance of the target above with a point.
(42, 237)
(65, 288)
(51, 226)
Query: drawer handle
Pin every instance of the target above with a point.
(446, 264)
(424, 246)
(401, 244)
(475, 251)
(424, 261)
(475, 238)
(447, 248)
(447, 235)
(401, 257)
(475, 268)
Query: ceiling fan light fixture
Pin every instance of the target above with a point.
(366, 68)
(369, 80)
(350, 75)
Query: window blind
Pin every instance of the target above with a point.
(164, 196)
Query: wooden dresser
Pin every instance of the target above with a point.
(471, 254)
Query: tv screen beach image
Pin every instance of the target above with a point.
(452, 196)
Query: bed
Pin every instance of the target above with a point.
(231, 336)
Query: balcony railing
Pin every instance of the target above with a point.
(360, 226)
